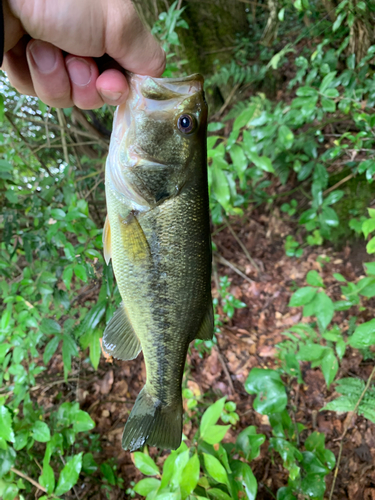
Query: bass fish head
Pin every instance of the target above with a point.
(160, 138)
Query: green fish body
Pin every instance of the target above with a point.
(158, 236)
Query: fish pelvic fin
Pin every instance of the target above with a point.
(119, 338)
(153, 423)
(107, 250)
(206, 330)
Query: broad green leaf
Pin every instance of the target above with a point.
(329, 366)
(285, 493)
(370, 247)
(249, 442)
(324, 310)
(248, 481)
(339, 20)
(179, 465)
(108, 473)
(215, 433)
(82, 422)
(146, 486)
(243, 118)
(10, 492)
(7, 459)
(50, 326)
(313, 278)
(50, 349)
(328, 105)
(145, 464)
(333, 197)
(310, 352)
(302, 296)
(190, 476)
(215, 469)
(370, 269)
(239, 159)
(339, 277)
(214, 126)
(220, 186)
(217, 494)
(95, 349)
(47, 479)
(368, 227)
(67, 276)
(40, 432)
(363, 336)
(330, 217)
(80, 272)
(286, 136)
(269, 388)
(69, 475)
(6, 430)
(211, 416)
(89, 466)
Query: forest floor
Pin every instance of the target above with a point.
(247, 341)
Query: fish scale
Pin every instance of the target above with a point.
(159, 240)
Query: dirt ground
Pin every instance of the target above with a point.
(245, 342)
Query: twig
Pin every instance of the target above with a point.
(250, 259)
(60, 116)
(228, 99)
(346, 430)
(34, 483)
(225, 368)
(226, 262)
(345, 179)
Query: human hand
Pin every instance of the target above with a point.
(84, 29)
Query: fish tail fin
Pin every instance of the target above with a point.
(150, 422)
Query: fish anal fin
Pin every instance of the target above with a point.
(134, 239)
(107, 250)
(119, 338)
(206, 330)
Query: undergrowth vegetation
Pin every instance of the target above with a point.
(308, 155)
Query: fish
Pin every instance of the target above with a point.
(157, 233)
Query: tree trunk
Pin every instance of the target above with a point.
(270, 31)
(213, 26)
(362, 32)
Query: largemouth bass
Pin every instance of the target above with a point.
(158, 236)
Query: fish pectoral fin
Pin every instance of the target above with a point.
(206, 330)
(119, 338)
(107, 250)
(134, 239)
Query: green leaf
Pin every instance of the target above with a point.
(313, 278)
(310, 352)
(333, 197)
(69, 349)
(211, 416)
(339, 20)
(324, 310)
(330, 217)
(67, 276)
(215, 469)
(89, 466)
(329, 366)
(190, 476)
(239, 159)
(218, 494)
(6, 431)
(108, 473)
(50, 327)
(286, 136)
(80, 272)
(363, 336)
(368, 226)
(10, 492)
(82, 422)
(95, 350)
(243, 118)
(248, 481)
(146, 486)
(328, 105)
(69, 475)
(145, 464)
(270, 391)
(302, 296)
(370, 247)
(249, 442)
(264, 163)
(40, 432)
(220, 186)
(370, 269)
(47, 479)
(7, 459)
(50, 349)
(215, 433)
(214, 126)
(339, 277)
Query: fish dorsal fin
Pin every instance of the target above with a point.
(206, 330)
(107, 250)
(119, 338)
(134, 239)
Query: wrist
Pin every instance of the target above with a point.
(13, 30)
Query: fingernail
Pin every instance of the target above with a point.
(44, 56)
(110, 95)
(79, 71)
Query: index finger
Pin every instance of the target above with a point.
(136, 49)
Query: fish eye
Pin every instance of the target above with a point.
(186, 123)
